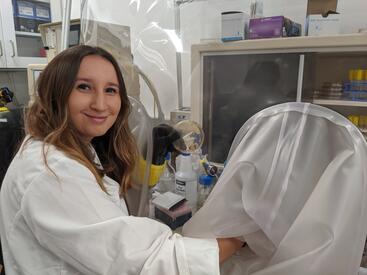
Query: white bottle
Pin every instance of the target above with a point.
(186, 180)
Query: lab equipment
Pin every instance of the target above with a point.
(210, 169)
(275, 26)
(234, 25)
(329, 90)
(167, 180)
(192, 137)
(154, 142)
(175, 217)
(205, 186)
(356, 87)
(186, 180)
(163, 138)
(294, 190)
(168, 200)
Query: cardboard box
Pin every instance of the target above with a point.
(272, 27)
(317, 25)
(321, 7)
(234, 25)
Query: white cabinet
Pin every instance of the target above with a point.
(2, 48)
(21, 44)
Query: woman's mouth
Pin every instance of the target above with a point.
(96, 119)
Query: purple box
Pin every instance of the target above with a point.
(271, 27)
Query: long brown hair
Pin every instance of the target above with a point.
(48, 119)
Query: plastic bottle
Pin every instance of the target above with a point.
(205, 186)
(167, 180)
(186, 180)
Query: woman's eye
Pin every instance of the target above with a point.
(111, 90)
(83, 87)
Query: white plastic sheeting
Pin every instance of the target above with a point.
(294, 189)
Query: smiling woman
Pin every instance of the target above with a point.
(94, 102)
(82, 96)
(62, 207)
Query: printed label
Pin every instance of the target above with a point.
(42, 12)
(181, 187)
(24, 10)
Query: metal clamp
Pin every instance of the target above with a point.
(13, 47)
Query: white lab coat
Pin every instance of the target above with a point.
(68, 225)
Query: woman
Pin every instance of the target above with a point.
(59, 211)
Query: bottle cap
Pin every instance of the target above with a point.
(206, 180)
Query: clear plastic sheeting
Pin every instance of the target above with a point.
(141, 125)
(294, 189)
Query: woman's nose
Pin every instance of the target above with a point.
(98, 101)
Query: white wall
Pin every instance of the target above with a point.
(353, 15)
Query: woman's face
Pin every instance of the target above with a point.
(94, 102)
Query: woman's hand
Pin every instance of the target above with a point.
(227, 247)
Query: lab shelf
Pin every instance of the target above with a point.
(333, 102)
(346, 42)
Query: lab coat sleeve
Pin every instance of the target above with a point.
(75, 220)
